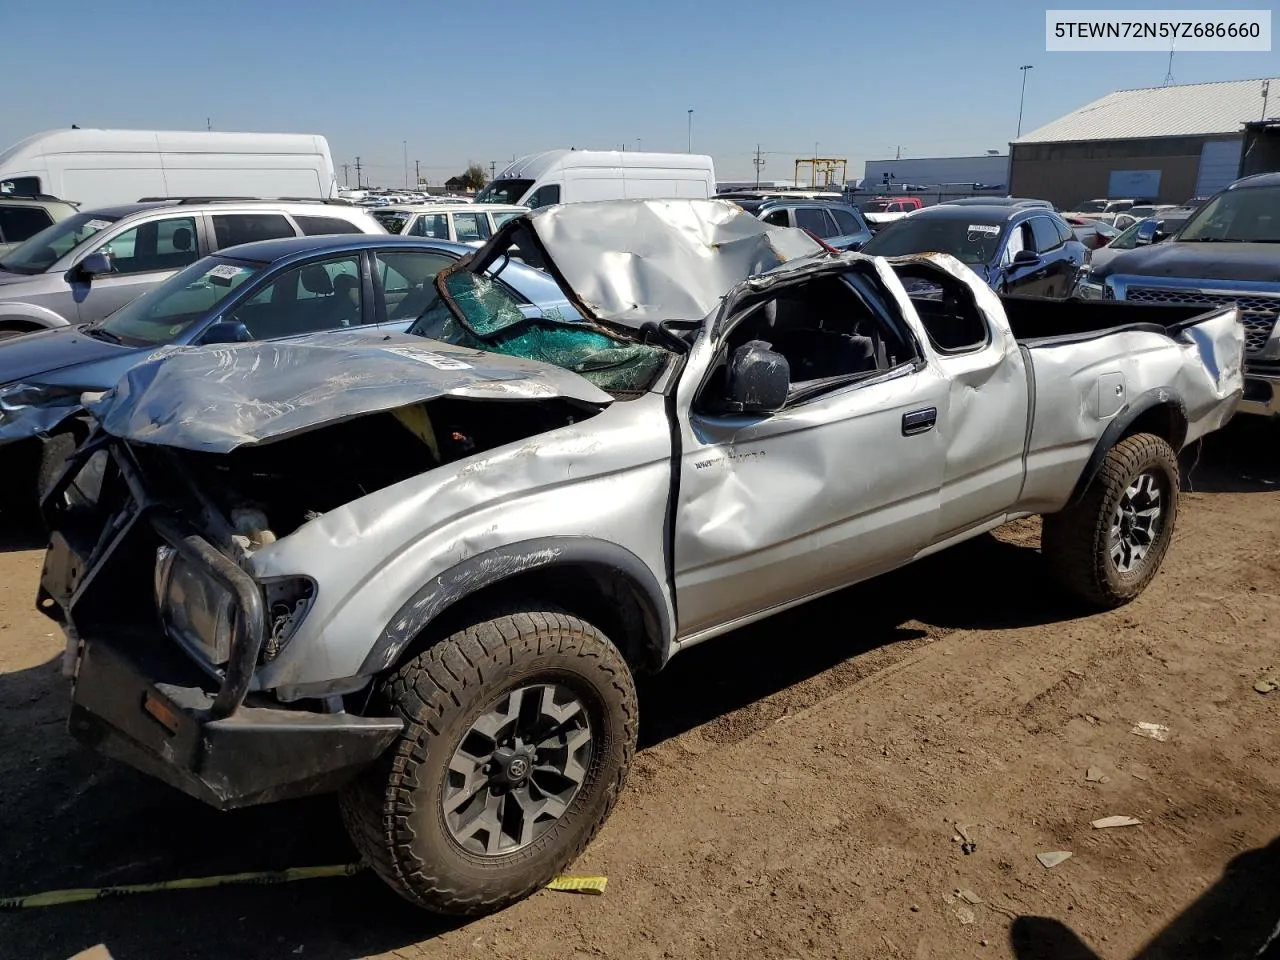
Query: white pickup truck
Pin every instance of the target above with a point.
(423, 568)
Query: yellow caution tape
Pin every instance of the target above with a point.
(53, 898)
(592, 885)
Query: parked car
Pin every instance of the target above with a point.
(838, 225)
(89, 265)
(1024, 250)
(1092, 233)
(1227, 251)
(22, 217)
(460, 222)
(570, 176)
(438, 559)
(1167, 223)
(257, 291)
(1088, 207)
(882, 210)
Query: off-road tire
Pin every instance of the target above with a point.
(1075, 541)
(393, 812)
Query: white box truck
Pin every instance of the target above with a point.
(101, 167)
(572, 176)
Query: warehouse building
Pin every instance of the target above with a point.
(990, 170)
(1163, 143)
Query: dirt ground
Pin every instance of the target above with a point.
(798, 785)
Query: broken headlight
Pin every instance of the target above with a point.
(195, 609)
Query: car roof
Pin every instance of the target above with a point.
(454, 207)
(1257, 180)
(981, 213)
(270, 251)
(121, 210)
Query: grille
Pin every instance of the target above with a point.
(1257, 312)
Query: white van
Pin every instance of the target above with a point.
(571, 176)
(98, 168)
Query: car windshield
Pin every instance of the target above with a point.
(393, 221)
(504, 191)
(1237, 216)
(1091, 206)
(167, 311)
(482, 313)
(53, 243)
(1129, 238)
(966, 241)
(876, 206)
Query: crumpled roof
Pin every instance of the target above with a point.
(218, 398)
(632, 261)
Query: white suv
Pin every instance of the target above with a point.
(471, 223)
(94, 262)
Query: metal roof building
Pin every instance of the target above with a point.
(1165, 143)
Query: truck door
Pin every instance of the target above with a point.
(984, 423)
(839, 485)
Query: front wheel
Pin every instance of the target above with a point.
(519, 732)
(1107, 548)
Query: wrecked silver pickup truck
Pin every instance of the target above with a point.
(424, 571)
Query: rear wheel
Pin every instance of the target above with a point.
(519, 732)
(1108, 547)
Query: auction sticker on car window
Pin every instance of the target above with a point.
(97, 224)
(225, 272)
(437, 360)
(983, 228)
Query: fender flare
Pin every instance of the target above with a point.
(31, 313)
(1119, 426)
(503, 563)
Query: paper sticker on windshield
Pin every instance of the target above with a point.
(224, 273)
(983, 228)
(97, 224)
(439, 361)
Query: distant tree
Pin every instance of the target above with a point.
(474, 177)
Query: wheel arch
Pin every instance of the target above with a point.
(601, 582)
(1161, 412)
(29, 317)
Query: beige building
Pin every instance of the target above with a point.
(1160, 143)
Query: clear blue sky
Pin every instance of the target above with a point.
(491, 80)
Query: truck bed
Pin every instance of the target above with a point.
(1034, 319)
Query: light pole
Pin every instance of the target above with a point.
(637, 144)
(1021, 100)
(689, 147)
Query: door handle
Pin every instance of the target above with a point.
(919, 421)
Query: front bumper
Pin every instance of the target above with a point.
(1261, 388)
(139, 698)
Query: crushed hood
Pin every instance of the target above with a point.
(634, 261)
(215, 399)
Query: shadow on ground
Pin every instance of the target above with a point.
(1232, 920)
(1242, 458)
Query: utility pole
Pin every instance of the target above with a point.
(689, 147)
(493, 169)
(1266, 89)
(208, 123)
(637, 144)
(1021, 100)
(346, 180)
(405, 144)
(899, 156)
(759, 162)
(357, 173)
(417, 173)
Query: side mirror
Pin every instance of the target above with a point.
(95, 264)
(758, 379)
(1148, 232)
(1026, 258)
(226, 331)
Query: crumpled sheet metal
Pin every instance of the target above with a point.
(633, 261)
(31, 409)
(215, 399)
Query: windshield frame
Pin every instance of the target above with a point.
(488, 194)
(192, 323)
(1206, 211)
(904, 224)
(57, 231)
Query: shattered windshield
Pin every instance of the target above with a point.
(481, 313)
